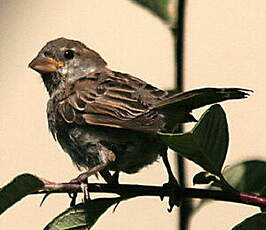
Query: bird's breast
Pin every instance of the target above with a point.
(55, 121)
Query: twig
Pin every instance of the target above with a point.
(145, 190)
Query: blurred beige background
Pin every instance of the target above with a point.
(225, 46)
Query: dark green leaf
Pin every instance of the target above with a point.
(82, 216)
(206, 144)
(247, 176)
(204, 178)
(18, 188)
(164, 9)
(256, 222)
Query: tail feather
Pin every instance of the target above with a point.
(200, 97)
(177, 108)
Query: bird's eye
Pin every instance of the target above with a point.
(69, 54)
(46, 53)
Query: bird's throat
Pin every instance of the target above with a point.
(51, 82)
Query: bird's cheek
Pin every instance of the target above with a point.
(64, 70)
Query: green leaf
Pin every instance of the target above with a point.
(82, 216)
(18, 188)
(256, 222)
(164, 9)
(247, 176)
(206, 144)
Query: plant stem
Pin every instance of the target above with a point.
(178, 33)
(145, 190)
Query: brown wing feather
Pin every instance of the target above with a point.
(115, 100)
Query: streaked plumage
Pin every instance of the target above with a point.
(103, 117)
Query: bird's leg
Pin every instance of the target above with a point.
(109, 178)
(82, 179)
(106, 156)
(172, 185)
(116, 176)
(83, 176)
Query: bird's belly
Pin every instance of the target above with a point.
(133, 150)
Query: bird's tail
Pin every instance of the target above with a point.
(177, 108)
(197, 98)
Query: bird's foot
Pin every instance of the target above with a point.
(73, 197)
(82, 179)
(172, 188)
(110, 178)
(115, 178)
(84, 189)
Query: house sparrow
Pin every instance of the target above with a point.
(107, 120)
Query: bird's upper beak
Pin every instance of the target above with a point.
(43, 64)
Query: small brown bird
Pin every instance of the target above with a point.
(106, 120)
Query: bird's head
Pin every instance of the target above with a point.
(63, 60)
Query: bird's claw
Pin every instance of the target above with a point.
(73, 197)
(83, 181)
(84, 188)
(172, 189)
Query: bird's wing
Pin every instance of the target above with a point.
(115, 100)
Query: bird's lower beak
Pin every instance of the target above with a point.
(45, 64)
